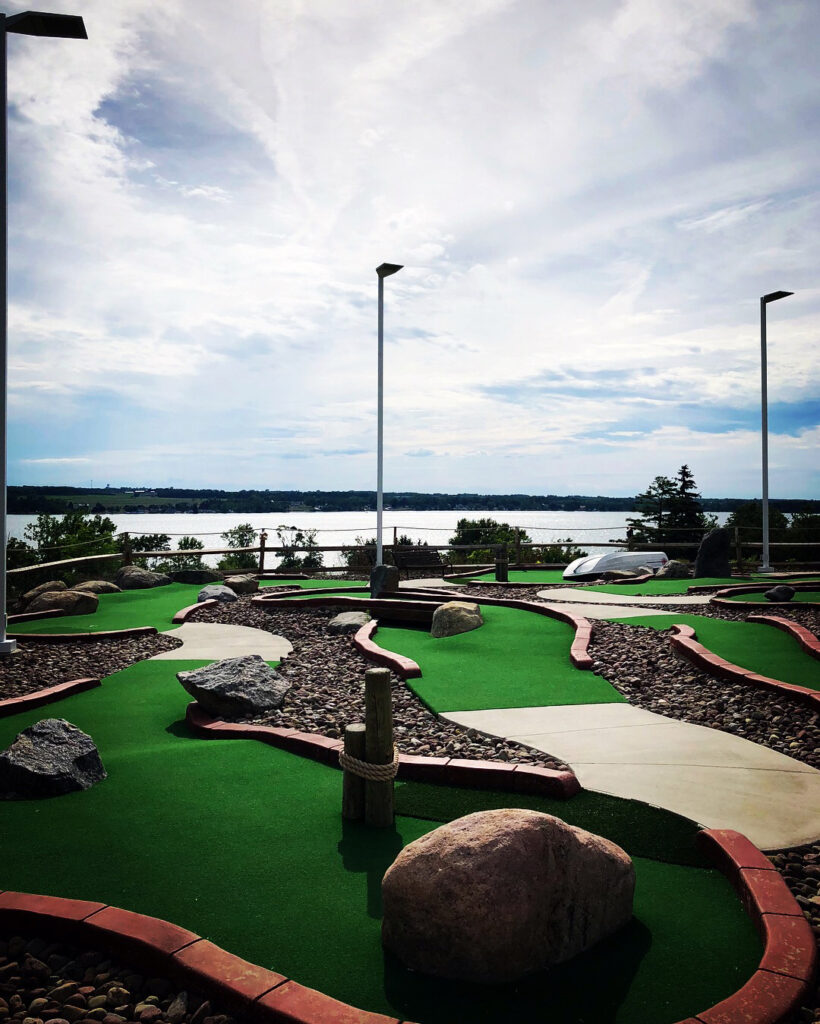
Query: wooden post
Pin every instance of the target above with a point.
(262, 538)
(738, 550)
(378, 796)
(353, 785)
(126, 549)
(518, 546)
(502, 564)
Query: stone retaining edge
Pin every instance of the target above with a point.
(804, 636)
(519, 778)
(39, 698)
(363, 642)
(684, 643)
(185, 613)
(67, 638)
(48, 613)
(771, 996)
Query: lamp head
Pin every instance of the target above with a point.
(38, 23)
(386, 269)
(774, 296)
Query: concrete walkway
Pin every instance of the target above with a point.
(214, 640)
(578, 596)
(713, 777)
(428, 581)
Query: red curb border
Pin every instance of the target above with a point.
(363, 642)
(310, 590)
(722, 600)
(684, 643)
(37, 699)
(804, 636)
(67, 638)
(185, 613)
(771, 996)
(560, 785)
(49, 613)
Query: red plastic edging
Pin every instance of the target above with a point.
(49, 613)
(683, 641)
(185, 613)
(12, 705)
(67, 638)
(363, 642)
(807, 640)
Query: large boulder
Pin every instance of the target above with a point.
(132, 577)
(216, 592)
(44, 588)
(70, 602)
(245, 687)
(780, 593)
(245, 584)
(384, 579)
(49, 758)
(611, 575)
(348, 622)
(499, 894)
(713, 554)
(455, 617)
(98, 587)
(200, 576)
(673, 570)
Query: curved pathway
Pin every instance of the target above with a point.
(214, 640)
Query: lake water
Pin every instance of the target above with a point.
(337, 528)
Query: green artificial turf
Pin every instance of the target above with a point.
(800, 596)
(244, 844)
(752, 645)
(657, 587)
(517, 659)
(313, 584)
(519, 576)
(153, 607)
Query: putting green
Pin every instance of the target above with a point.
(313, 584)
(752, 645)
(658, 587)
(517, 659)
(533, 576)
(244, 844)
(800, 597)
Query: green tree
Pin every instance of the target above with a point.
(150, 542)
(654, 508)
(481, 532)
(671, 511)
(71, 535)
(291, 538)
(18, 554)
(190, 561)
(554, 553)
(242, 536)
(361, 559)
(803, 528)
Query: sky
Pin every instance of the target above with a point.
(588, 201)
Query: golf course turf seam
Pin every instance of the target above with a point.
(770, 996)
(684, 643)
(39, 698)
(807, 640)
(67, 638)
(518, 778)
(185, 613)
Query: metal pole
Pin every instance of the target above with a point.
(6, 646)
(764, 430)
(380, 429)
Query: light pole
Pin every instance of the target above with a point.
(30, 23)
(764, 422)
(384, 270)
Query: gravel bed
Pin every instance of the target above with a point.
(45, 982)
(327, 689)
(35, 666)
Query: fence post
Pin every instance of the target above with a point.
(262, 538)
(502, 564)
(517, 546)
(738, 550)
(378, 796)
(126, 549)
(353, 785)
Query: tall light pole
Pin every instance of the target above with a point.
(30, 23)
(384, 270)
(764, 422)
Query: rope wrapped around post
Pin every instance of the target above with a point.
(374, 772)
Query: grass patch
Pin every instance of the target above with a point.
(752, 645)
(515, 660)
(312, 584)
(533, 576)
(800, 597)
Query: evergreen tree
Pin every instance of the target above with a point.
(654, 507)
(671, 511)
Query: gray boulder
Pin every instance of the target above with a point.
(455, 617)
(610, 575)
(234, 688)
(132, 577)
(713, 554)
(499, 894)
(216, 592)
(70, 602)
(97, 587)
(44, 588)
(348, 622)
(245, 584)
(384, 579)
(780, 593)
(49, 758)
(673, 570)
(200, 576)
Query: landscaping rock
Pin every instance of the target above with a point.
(200, 576)
(236, 687)
(673, 570)
(499, 894)
(132, 577)
(620, 574)
(216, 592)
(70, 602)
(44, 588)
(245, 584)
(348, 622)
(713, 554)
(780, 593)
(47, 759)
(455, 617)
(98, 587)
(384, 579)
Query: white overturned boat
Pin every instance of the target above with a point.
(593, 566)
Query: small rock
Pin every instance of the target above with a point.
(454, 617)
(780, 593)
(216, 592)
(348, 622)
